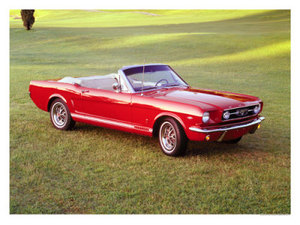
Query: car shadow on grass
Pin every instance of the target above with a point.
(193, 148)
(211, 148)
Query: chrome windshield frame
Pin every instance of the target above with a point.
(126, 81)
(130, 87)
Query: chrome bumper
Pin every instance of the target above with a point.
(257, 121)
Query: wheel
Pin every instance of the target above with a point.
(234, 141)
(60, 115)
(172, 138)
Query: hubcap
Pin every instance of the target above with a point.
(168, 136)
(59, 114)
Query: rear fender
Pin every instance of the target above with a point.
(52, 97)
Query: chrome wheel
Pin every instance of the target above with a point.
(59, 115)
(167, 136)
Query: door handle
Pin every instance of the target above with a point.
(84, 91)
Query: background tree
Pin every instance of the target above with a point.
(28, 18)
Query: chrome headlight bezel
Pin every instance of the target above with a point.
(205, 117)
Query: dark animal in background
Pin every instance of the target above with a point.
(28, 18)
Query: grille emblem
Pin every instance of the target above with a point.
(243, 112)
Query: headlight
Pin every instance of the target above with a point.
(257, 109)
(226, 115)
(205, 117)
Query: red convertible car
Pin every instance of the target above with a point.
(150, 100)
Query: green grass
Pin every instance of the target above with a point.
(97, 170)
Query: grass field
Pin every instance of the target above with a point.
(97, 170)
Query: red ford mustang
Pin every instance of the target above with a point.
(150, 100)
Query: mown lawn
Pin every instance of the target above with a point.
(97, 170)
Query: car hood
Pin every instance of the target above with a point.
(205, 99)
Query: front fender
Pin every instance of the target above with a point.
(169, 114)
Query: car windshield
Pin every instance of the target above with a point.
(152, 77)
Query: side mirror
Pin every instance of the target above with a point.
(116, 87)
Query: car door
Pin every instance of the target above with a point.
(106, 104)
(144, 110)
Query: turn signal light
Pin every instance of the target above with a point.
(207, 137)
(258, 126)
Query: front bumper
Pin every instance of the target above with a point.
(226, 132)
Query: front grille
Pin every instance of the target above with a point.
(240, 112)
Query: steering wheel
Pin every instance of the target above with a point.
(161, 80)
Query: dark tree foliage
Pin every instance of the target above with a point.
(28, 18)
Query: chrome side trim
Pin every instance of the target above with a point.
(257, 121)
(110, 122)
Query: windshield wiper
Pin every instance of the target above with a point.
(160, 87)
(149, 88)
(172, 85)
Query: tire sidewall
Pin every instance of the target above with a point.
(180, 138)
(66, 126)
